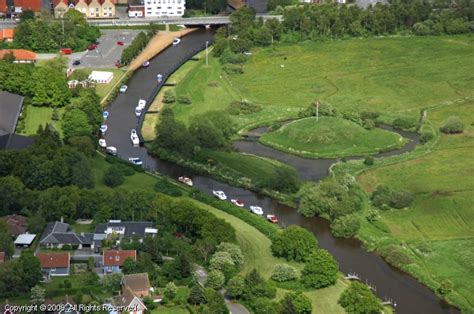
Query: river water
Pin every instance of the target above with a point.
(408, 293)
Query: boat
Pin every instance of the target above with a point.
(105, 114)
(272, 218)
(102, 143)
(159, 78)
(138, 111)
(134, 137)
(136, 161)
(257, 210)
(185, 180)
(220, 195)
(141, 104)
(176, 40)
(146, 64)
(237, 202)
(103, 128)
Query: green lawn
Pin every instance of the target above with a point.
(442, 213)
(36, 116)
(330, 137)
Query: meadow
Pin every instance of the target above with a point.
(330, 137)
(36, 116)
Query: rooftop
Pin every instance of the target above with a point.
(20, 54)
(53, 260)
(137, 282)
(10, 109)
(25, 239)
(117, 258)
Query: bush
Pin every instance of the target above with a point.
(230, 57)
(113, 177)
(166, 187)
(185, 100)
(284, 272)
(294, 243)
(215, 279)
(231, 69)
(358, 298)
(169, 97)
(425, 137)
(396, 256)
(369, 160)
(384, 196)
(243, 107)
(452, 125)
(320, 270)
(345, 226)
(400, 199)
(404, 123)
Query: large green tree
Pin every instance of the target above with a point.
(358, 298)
(320, 270)
(296, 303)
(294, 243)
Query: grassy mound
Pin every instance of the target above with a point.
(330, 137)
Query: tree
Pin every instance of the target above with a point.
(38, 295)
(30, 269)
(206, 134)
(296, 303)
(170, 290)
(75, 123)
(215, 279)
(113, 177)
(446, 287)
(235, 287)
(112, 282)
(284, 272)
(285, 179)
(215, 303)
(196, 295)
(294, 243)
(345, 226)
(358, 298)
(129, 266)
(320, 270)
(452, 125)
(82, 175)
(256, 286)
(6, 243)
(234, 251)
(50, 86)
(12, 193)
(169, 97)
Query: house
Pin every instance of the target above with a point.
(164, 8)
(131, 302)
(16, 7)
(60, 8)
(113, 260)
(68, 306)
(139, 284)
(2, 257)
(90, 8)
(17, 224)
(57, 235)
(136, 8)
(127, 229)
(54, 264)
(101, 77)
(7, 34)
(25, 240)
(20, 55)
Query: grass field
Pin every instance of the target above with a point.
(442, 213)
(330, 137)
(36, 116)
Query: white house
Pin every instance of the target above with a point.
(101, 77)
(164, 7)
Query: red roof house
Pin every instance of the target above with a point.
(33, 5)
(17, 224)
(113, 259)
(21, 55)
(54, 264)
(3, 6)
(6, 34)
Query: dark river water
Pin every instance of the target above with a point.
(409, 294)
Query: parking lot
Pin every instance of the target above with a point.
(108, 51)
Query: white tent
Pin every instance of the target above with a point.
(102, 77)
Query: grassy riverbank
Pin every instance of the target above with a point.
(330, 137)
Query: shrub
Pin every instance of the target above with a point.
(372, 115)
(296, 302)
(243, 107)
(384, 196)
(235, 287)
(345, 226)
(369, 160)
(358, 298)
(169, 97)
(320, 270)
(113, 177)
(215, 279)
(284, 272)
(395, 255)
(231, 69)
(185, 100)
(368, 124)
(445, 287)
(166, 187)
(294, 243)
(425, 137)
(452, 125)
(404, 123)
(401, 199)
(230, 57)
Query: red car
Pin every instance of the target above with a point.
(120, 43)
(92, 47)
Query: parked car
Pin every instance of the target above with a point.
(76, 62)
(102, 143)
(220, 195)
(136, 161)
(92, 47)
(66, 51)
(120, 43)
(111, 150)
(257, 210)
(123, 88)
(237, 202)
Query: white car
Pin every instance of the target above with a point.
(103, 128)
(102, 143)
(257, 210)
(123, 88)
(220, 195)
(136, 161)
(134, 137)
(176, 41)
(237, 202)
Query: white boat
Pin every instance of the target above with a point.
(257, 210)
(237, 202)
(146, 64)
(185, 180)
(102, 143)
(134, 137)
(176, 41)
(103, 128)
(123, 88)
(141, 104)
(138, 111)
(220, 195)
(105, 115)
(136, 161)
(272, 218)
(111, 150)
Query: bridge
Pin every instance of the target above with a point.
(193, 21)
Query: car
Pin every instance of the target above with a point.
(123, 88)
(185, 180)
(120, 43)
(146, 64)
(111, 150)
(176, 41)
(272, 218)
(103, 128)
(134, 137)
(219, 194)
(102, 143)
(76, 62)
(257, 210)
(92, 47)
(136, 161)
(237, 202)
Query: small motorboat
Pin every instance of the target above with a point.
(176, 41)
(138, 111)
(141, 104)
(105, 114)
(111, 150)
(185, 180)
(103, 128)
(136, 161)
(257, 210)
(159, 78)
(220, 195)
(146, 64)
(237, 202)
(134, 137)
(272, 218)
(102, 143)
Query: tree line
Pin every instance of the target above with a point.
(138, 44)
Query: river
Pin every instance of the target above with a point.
(408, 293)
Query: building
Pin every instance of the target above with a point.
(25, 240)
(130, 301)
(164, 8)
(16, 7)
(54, 264)
(16, 224)
(136, 8)
(90, 8)
(113, 260)
(139, 284)
(127, 229)
(20, 55)
(7, 34)
(57, 235)
(101, 77)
